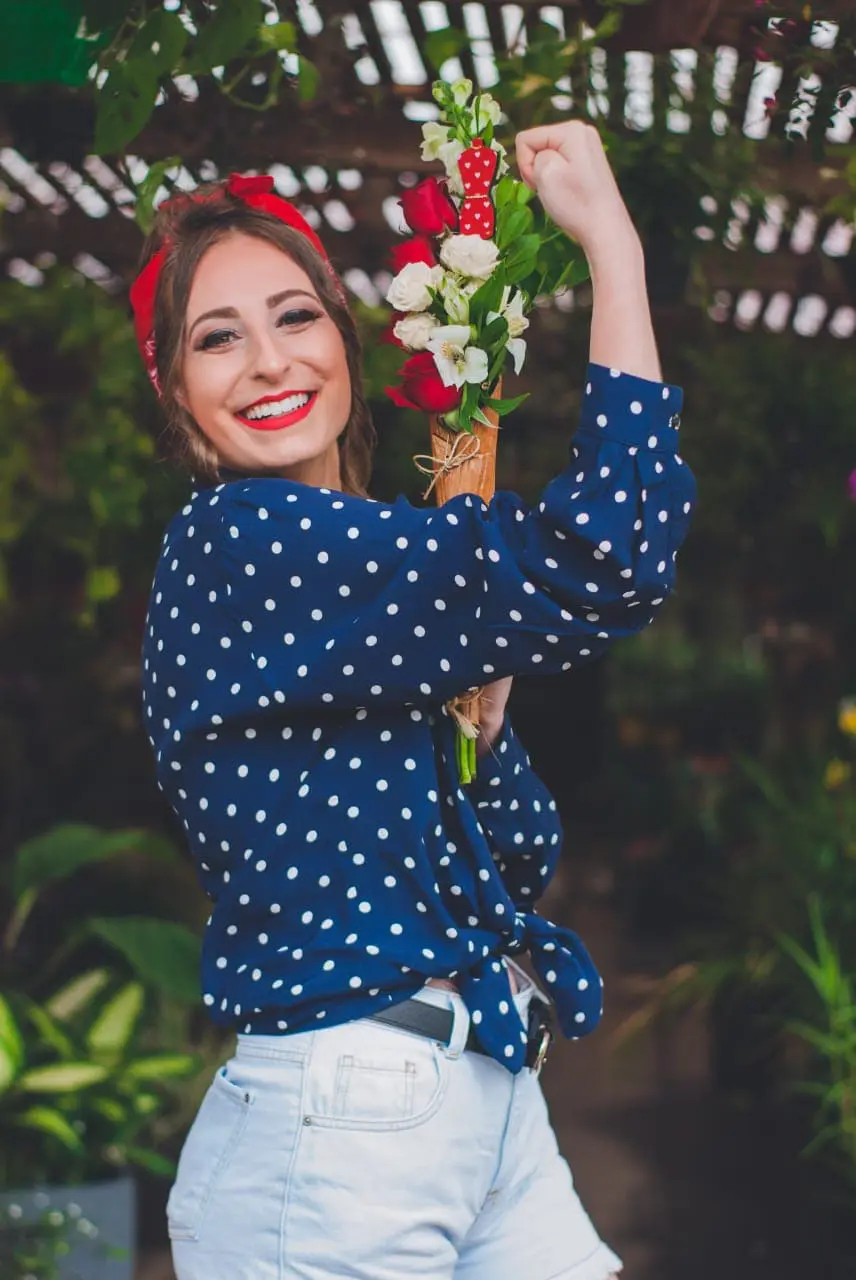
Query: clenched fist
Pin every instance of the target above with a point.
(566, 165)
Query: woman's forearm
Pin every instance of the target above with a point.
(622, 335)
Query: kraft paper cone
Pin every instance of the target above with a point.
(475, 474)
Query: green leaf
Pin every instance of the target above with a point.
(112, 1029)
(57, 853)
(151, 1160)
(308, 80)
(495, 331)
(280, 36)
(488, 296)
(163, 954)
(66, 1077)
(102, 583)
(158, 44)
(50, 1033)
(47, 1120)
(76, 995)
(146, 192)
(440, 45)
(162, 1066)
(513, 221)
(504, 192)
(125, 103)
(502, 407)
(225, 35)
(11, 1046)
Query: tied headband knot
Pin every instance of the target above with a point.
(257, 191)
(241, 187)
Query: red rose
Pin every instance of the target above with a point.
(428, 209)
(423, 388)
(416, 249)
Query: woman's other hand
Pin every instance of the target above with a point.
(566, 166)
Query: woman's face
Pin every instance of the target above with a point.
(264, 372)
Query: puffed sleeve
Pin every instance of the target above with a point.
(337, 599)
(519, 818)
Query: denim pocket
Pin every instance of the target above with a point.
(383, 1080)
(205, 1156)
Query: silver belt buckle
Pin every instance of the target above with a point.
(543, 1049)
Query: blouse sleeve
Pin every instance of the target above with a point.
(338, 599)
(519, 818)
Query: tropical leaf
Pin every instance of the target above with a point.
(163, 954)
(57, 853)
(162, 1066)
(11, 1046)
(66, 1077)
(48, 1120)
(50, 1033)
(112, 1030)
(77, 994)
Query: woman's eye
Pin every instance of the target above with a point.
(298, 316)
(218, 338)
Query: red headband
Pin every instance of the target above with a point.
(258, 193)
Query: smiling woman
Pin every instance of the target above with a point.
(265, 377)
(301, 645)
(250, 343)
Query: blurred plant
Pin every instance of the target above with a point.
(93, 1028)
(33, 1246)
(80, 1093)
(831, 1036)
(786, 832)
(77, 430)
(127, 52)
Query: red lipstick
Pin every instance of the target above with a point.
(281, 421)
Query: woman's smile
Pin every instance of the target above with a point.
(274, 412)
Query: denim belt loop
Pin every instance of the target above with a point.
(460, 1027)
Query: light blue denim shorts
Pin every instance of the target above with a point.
(362, 1152)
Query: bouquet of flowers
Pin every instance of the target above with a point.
(479, 256)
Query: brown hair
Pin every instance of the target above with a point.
(191, 229)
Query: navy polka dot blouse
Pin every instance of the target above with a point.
(299, 649)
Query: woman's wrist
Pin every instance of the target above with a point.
(489, 730)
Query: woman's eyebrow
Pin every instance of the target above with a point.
(230, 313)
(277, 298)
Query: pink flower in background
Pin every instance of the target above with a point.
(851, 486)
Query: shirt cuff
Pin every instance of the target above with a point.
(631, 410)
(498, 763)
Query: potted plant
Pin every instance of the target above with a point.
(93, 1029)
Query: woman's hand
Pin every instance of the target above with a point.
(492, 713)
(566, 165)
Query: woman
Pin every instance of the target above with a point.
(382, 1116)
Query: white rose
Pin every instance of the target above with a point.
(434, 135)
(409, 290)
(415, 330)
(470, 256)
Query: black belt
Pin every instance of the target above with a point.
(429, 1020)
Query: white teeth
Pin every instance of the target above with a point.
(276, 408)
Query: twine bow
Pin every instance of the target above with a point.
(460, 710)
(463, 449)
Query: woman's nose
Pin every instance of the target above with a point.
(270, 359)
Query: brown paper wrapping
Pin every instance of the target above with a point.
(476, 474)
